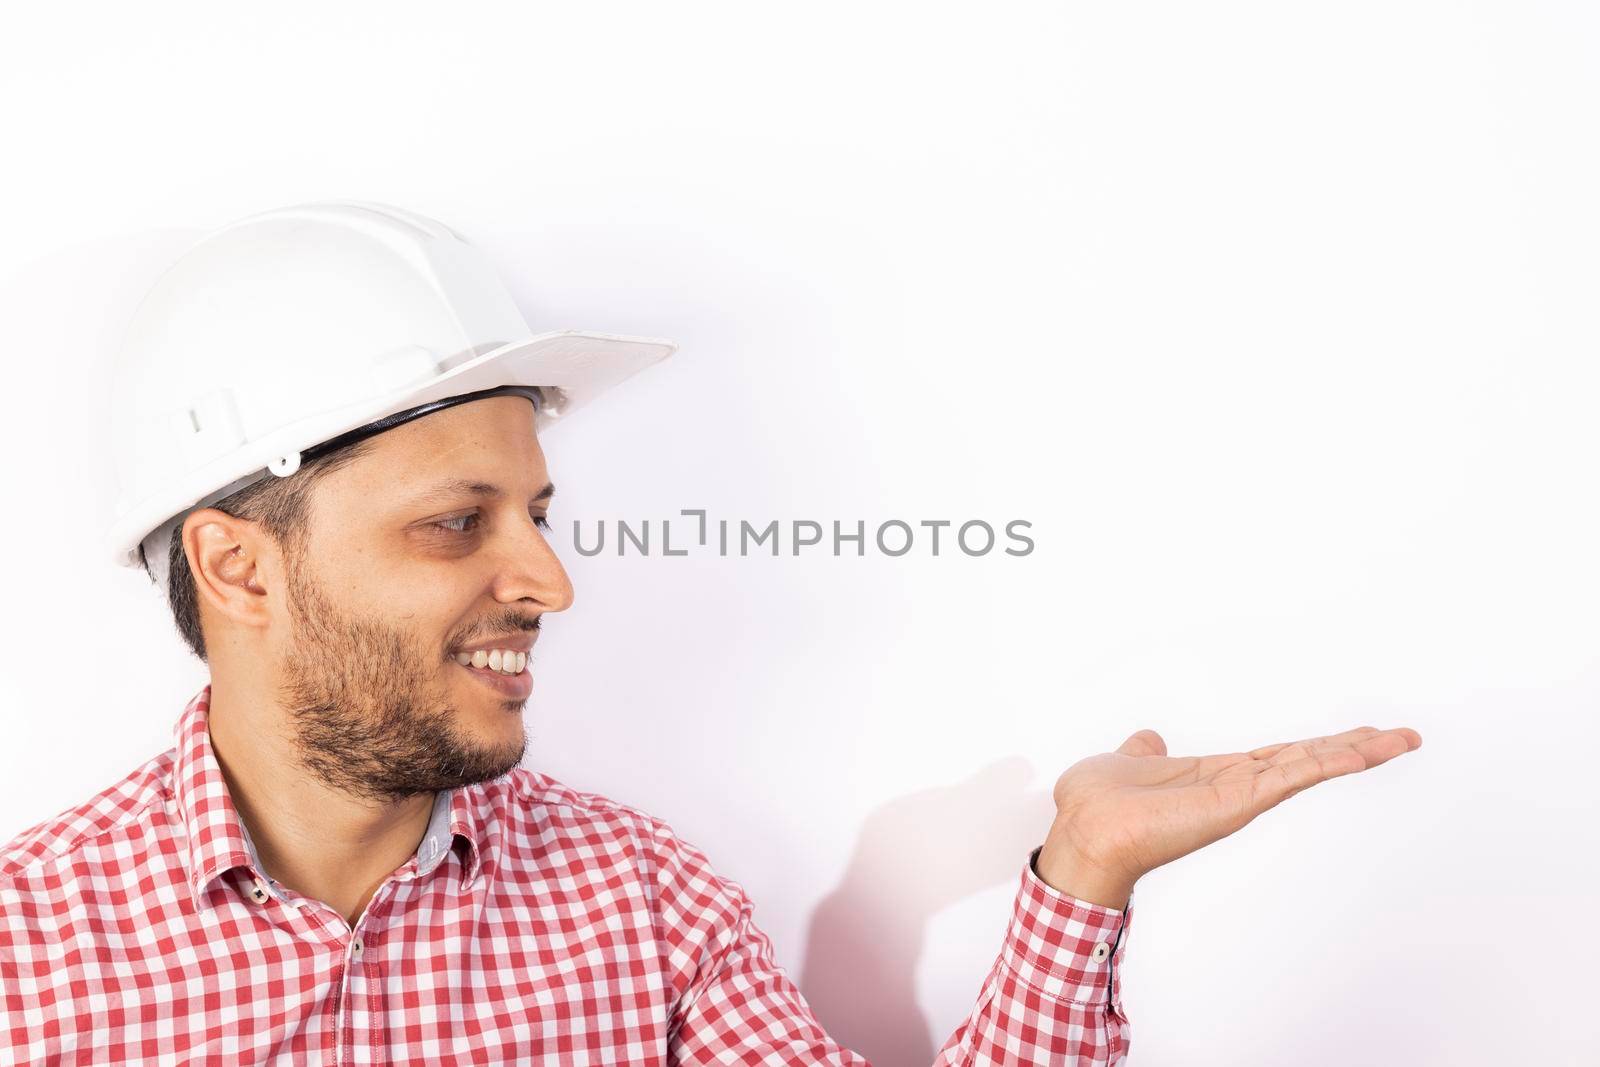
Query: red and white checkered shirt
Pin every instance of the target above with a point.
(534, 924)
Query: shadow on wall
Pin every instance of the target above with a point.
(917, 855)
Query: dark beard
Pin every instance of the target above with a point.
(366, 719)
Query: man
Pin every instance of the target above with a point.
(332, 466)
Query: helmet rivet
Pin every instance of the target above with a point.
(284, 466)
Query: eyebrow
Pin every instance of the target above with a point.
(459, 487)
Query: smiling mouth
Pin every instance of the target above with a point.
(517, 686)
(504, 662)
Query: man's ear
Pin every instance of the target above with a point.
(232, 561)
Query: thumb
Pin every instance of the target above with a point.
(1143, 743)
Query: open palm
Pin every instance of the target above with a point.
(1122, 814)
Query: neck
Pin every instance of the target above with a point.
(319, 841)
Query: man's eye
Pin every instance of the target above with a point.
(449, 524)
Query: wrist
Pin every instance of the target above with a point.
(1063, 869)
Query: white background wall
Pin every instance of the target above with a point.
(1276, 321)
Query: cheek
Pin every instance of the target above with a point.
(434, 606)
(424, 605)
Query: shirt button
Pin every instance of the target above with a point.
(355, 949)
(1101, 951)
(259, 891)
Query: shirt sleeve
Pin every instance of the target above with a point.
(1052, 996)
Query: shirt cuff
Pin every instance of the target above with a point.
(1064, 947)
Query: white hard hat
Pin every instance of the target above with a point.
(311, 326)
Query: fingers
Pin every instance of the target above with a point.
(1377, 746)
(1287, 769)
(1143, 743)
(1328, 757)
(1385, 745)
(1297, 768)
(1258, 760)
(1268, 751)
(1412, 738)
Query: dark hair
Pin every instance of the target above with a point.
(280, 505)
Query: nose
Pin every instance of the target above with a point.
(530, 570)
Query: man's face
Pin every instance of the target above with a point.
(404, 564)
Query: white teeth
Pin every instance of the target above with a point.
(502, 660)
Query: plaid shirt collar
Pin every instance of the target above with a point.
(219, 842)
